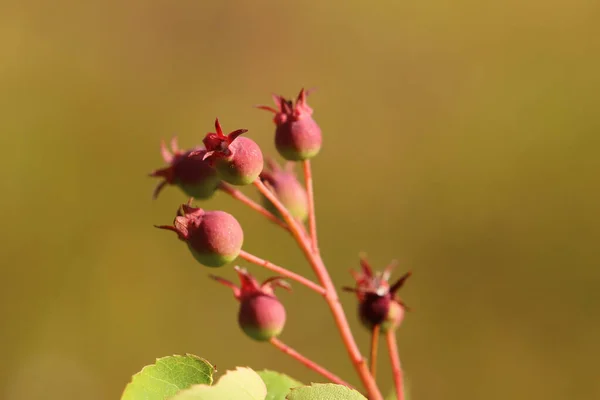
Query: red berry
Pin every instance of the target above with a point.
(378, 302)
(380, 310)
(261, 315)
(238, 160)
(188, 170)
(215, 238)
(297, 136)
(284, 184)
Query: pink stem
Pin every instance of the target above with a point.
(282, 271)
(236, 194)
(395, 359)
(330, 294)
(307, 362)
(312, 219)
(374, 347)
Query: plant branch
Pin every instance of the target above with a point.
(330, 294)
(307, 362)
(238, 195)
(374, 347)
(395, 359)
(312, 219)
(282, 271)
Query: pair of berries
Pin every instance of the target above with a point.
(199, 171)
(215, 238)
(262, 316)
(239, 161)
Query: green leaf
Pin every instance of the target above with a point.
(324, 391)
(168, 376)
(241, 384)
(278, 385)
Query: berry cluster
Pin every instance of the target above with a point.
(215, 238)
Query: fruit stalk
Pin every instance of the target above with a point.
(374, 348)
(308, 363)
(395, 359)
(312, 219)
(282, 271)
(238, 195)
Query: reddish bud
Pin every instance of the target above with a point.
(261, 315)
(188, 170)
(238, 160)
(378, 302)
(284, 184)
(297, 136)
(215, 238)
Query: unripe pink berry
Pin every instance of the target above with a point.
(284, 184)
(215, 238)
(244, 165)
(297, 136)
(238, 160)
(378, 302)
(261, 315)
(188, 170)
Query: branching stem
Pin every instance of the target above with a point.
(330, 294)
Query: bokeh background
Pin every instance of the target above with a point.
(461, 138)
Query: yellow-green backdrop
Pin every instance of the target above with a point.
(460, 137)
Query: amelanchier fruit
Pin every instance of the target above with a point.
(284, 184)
(261, 315)
(215, 238)
(188, 170)
(238, 160)
(378, 303)
(297, 135)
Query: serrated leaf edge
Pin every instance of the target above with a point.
(214, 369)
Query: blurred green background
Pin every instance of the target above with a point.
(459, 137)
